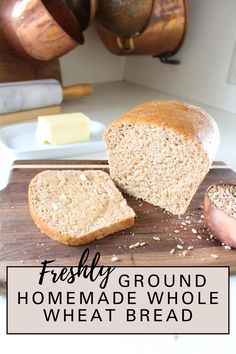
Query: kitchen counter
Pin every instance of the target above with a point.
(108, 102)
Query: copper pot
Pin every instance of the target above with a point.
(84, 11)
(163, 34)
(123, 17)
(42, 30)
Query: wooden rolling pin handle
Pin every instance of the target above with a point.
(77, 90)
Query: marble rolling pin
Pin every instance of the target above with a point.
(28, 95)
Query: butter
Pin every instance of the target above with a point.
(63, 128)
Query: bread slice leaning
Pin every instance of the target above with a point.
(76, 207)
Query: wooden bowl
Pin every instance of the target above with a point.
(42, 30)
(123, 18)
(222, 225)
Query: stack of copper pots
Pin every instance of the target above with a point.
(47, 29)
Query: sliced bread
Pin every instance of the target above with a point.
(76, 207)
(161, 151)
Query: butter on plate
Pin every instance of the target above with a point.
(63, 128)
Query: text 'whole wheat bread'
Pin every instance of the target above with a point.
(77, 207)
(161, 151)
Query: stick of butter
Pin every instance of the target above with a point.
(63, 128)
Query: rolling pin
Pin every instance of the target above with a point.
(26, 95)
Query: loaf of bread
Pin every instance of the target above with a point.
(77, 207)
(161, 151)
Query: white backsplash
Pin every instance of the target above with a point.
(205, 56)
(91, 62)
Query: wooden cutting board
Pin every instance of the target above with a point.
(21, 243)
(14, 67)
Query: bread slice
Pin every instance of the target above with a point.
(161, 151)
(76, 207)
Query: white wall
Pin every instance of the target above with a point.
(205, 57)
(91, 62)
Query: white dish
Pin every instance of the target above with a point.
(19, 142)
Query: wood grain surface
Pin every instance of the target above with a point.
(21, 243)
(14, 67)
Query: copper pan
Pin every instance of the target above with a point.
(163, 34)
(123, 17)
(42, 30)
(84, 11)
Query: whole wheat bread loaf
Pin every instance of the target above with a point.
(161, 151)
(77, 207)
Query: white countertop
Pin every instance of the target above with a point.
(108, 102)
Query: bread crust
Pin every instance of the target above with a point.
(72, 240)
(190, 121)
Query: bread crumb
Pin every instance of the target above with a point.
(142, 244)
(156, 238)
(215, 256)
(135, 245)
(199, 237)
(172, 251)
(115, 259)
(226, 247)
(176, 231)
(185, 253)
(190, 248)
(194, 231)
(180, 247)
